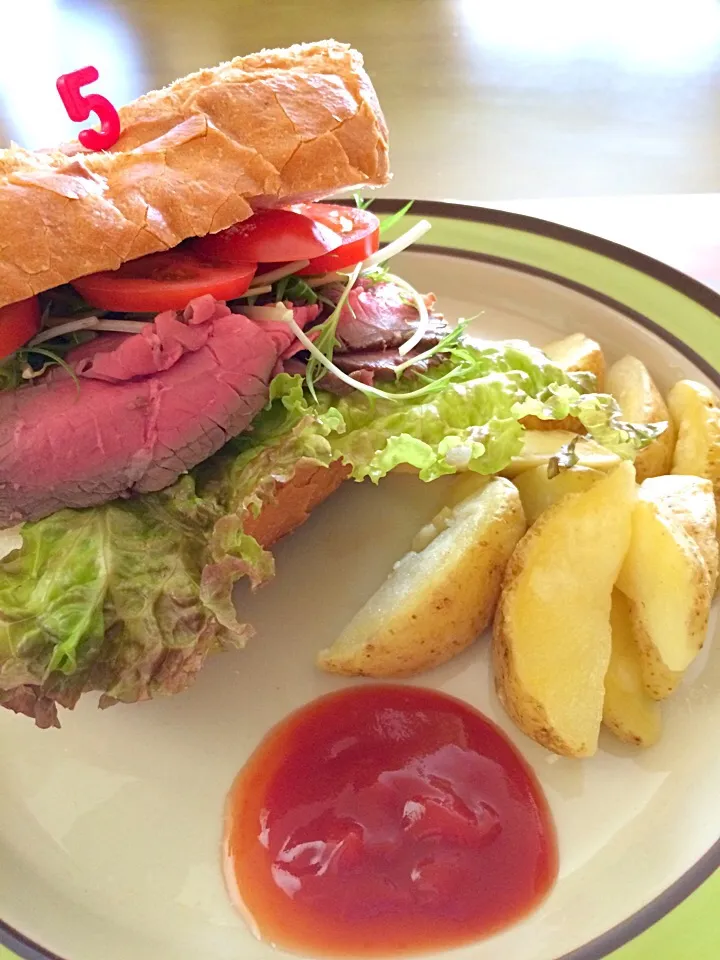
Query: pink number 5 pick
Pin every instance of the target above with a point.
(79, 107)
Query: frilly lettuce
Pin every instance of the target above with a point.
(471, 422)
(112, 599)
(129, 598)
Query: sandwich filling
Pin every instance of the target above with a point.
(139, 448)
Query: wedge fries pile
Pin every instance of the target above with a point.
(599, 576)
(606, 599)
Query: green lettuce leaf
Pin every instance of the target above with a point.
(113, 599)
(467, 425)
(598, 413)
(11, 372)
(470, 422)
(290, 430)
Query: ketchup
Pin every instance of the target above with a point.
(386, 819)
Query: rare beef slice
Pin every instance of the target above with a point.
(142, 410)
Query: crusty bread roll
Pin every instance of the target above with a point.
(192, 159)
(293, 502)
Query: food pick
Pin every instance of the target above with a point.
(79, 106)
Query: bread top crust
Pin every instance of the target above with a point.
(192, 158)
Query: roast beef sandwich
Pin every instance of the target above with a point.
(196, 352)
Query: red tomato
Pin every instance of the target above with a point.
(271, 235)
(164, 281)
(18, 323)
(359, 232)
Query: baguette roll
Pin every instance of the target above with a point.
(292, 502)
(192, 159)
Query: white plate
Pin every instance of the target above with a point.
(110, 828)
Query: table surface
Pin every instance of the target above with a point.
(487, 102)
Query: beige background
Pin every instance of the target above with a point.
(486, 99)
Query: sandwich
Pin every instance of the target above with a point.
(197, 351)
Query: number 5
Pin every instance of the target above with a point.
(79, 107)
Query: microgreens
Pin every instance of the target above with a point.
(449, 344)
(325, 340)
(298, 290)
(387, 223)
(563, 459)
(362, 203)
(19, 368)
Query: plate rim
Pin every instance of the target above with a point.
(637, 923)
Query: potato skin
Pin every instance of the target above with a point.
(628, 711)
(441, 611)
(660, 682)
(669, 576)
(696, 412)
(689, 501)
(654, 460)
(640, 401)
(577, 353)
(524, 710)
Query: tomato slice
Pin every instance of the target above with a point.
(271, 235)
(19, 322)
(358, 230)
(164, 281)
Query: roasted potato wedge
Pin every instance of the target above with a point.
(576, 353)
(629, 711)
(538, 491)
(540, 445)
(667, 578)
(551, 642)
(440, 596)
(696, 412)
(630, 383)
(689, 501)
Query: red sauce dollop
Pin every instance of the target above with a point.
(386, 819)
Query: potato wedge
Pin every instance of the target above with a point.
(630, 383)
(576, 353)
(538, 491)
(668, 582)
(696, 412)
(689, 501)
(551, 642)
(540, 445)
(440, 596)
(629, 711)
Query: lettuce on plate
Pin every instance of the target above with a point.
(129, 598)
